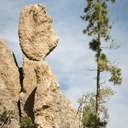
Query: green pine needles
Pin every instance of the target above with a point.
(87, 109)
(98, 27)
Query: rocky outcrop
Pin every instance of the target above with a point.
(51, 108)
(36, 34)
(40, 97)
(9, 86)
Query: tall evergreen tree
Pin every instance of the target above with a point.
(98, 27)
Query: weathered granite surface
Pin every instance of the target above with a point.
(36, 34)
(33, 90)
(9, 85)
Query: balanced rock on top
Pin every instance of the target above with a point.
(36, 34)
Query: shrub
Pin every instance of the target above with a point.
(26, 122)
(5, 117)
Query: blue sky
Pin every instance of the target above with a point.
(72, 59)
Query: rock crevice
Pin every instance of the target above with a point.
(33, 89)
(9, 87)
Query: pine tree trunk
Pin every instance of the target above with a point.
(98, 76)
(98, 84)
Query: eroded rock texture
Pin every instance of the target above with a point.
(9, 86)
(34, 74)
(41, 98)
(36, 34)
(32, 90)
(51, 108)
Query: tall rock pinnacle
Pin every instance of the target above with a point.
(32, 91)
(42, 99)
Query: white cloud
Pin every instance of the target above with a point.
(72, 58)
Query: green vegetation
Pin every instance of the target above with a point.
(7, 115)
(26, 122)
(98, 28)
(5, 118)
(87, 109)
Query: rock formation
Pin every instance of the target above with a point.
(37, 37)
(9, 85)
(51, 108)
(40, 97)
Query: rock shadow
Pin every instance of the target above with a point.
(29, 105)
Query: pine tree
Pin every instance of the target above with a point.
(98, 27)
